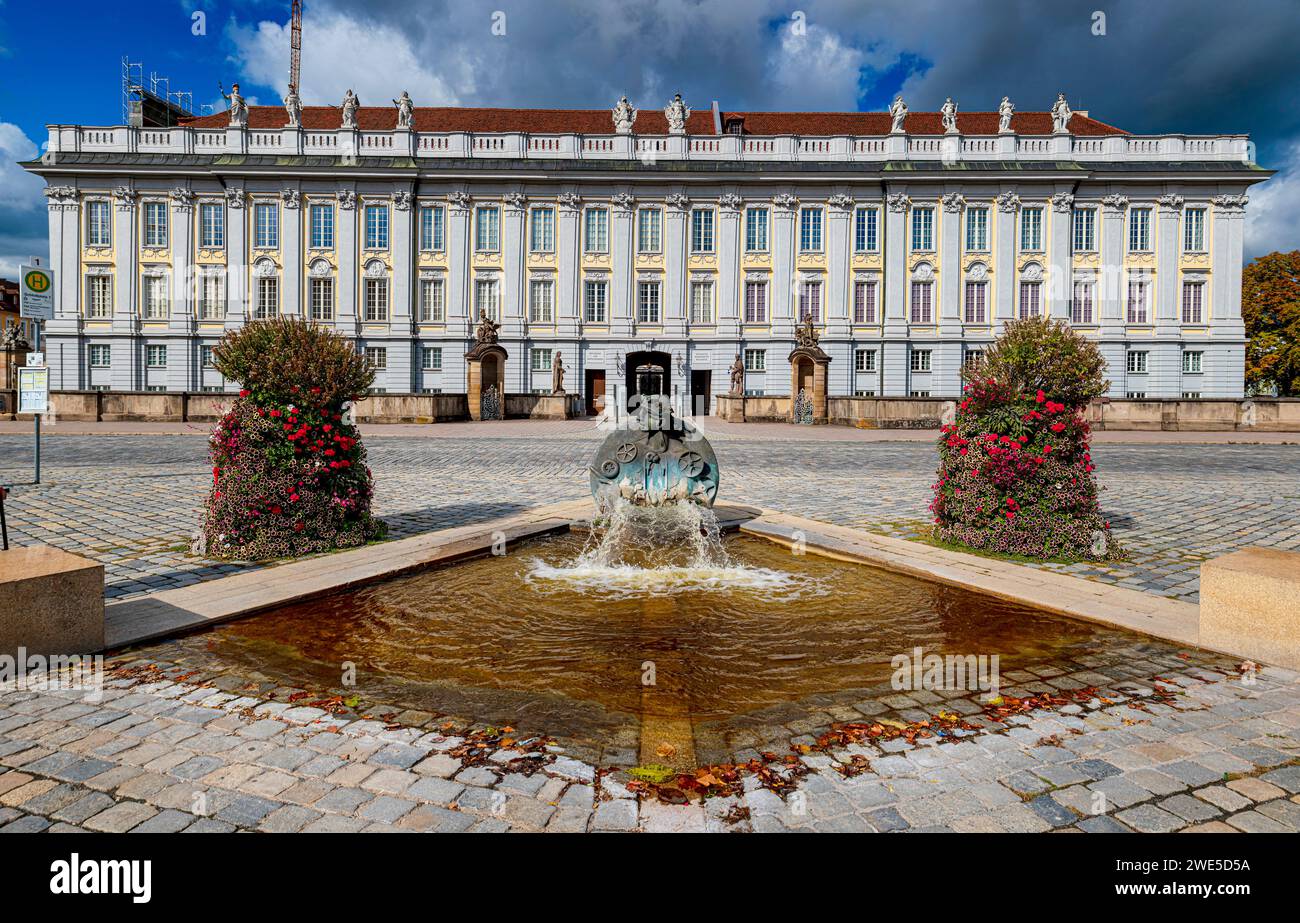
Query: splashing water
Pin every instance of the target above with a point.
(671, 548)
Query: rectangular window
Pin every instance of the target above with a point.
(1031, 229)
(755, 360)
(156, 357)
(865, 234)
(1193, 292)
(376, 301)
(155, 224)
(701, 302)
(433, 309)
(922, 306)
(99, 227)
(810, 230)
(376, 227)
(487, 229)
(1136, 395)
(756, 302)
(647, 230)
(977, 229)
(485, 299)
(1081, 303)
(99, 296)
(1031, 299)
(377, 356)
(920, 360)
(1084, 236)
(1139, 230)
(976, 307)
(594, 298)
(540, 360)
(322, 300)
(596, 232)
(1137, 361)
(756, 230)
(1137, 301)
(973, 357)
(101, 357)
(212, 296)
(431, 228)
(1194, 230)
(702, 230)
(647, 302)
(542, 230)
(266, 225)
(1192, 362)
(322, 227)
(1191, 395)
(923, 229)
(205, 357)
(431, 358)
(267, 300)
(212, 225)
(541, 302)
(154, 298)
(810, 301)
(864, 301)
(864, 360)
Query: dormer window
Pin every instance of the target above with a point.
(733, 125)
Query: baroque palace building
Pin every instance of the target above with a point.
(908, 238)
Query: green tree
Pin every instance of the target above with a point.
(1270, 307)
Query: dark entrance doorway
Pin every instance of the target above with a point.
(701, 392)
(594, 389)
(648, 372)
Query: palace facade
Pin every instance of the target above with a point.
(908, 238)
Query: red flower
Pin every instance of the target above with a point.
(1057, 427)
(244, 392)
(299, 526)
(1041, 396)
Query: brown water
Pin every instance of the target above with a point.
(519, 639)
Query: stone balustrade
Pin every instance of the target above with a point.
(520, 145)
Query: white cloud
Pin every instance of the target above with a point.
(376, 61)
(1271, 215)
(24, 226)
(814, 71)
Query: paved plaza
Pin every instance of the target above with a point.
(132, 502)
(1137, 735)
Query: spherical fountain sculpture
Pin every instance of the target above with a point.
(658, 459)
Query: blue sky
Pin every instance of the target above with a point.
(1145, 65)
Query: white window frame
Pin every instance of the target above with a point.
(977, 229)
(541, 301)
(99, 223)
(595, 230)
(377, 356)
(433, 301)
(154, 218)
(487, 229)
(1083, 302)
(321, 300)
(1139, 230)
(756, 306)
(595, 301)
(865, 295)
(701, 295)
(1029, 299)
(433, 227)
(151, 353)
(810, 229)
(702, 230)
(810, 300)
(153, 297)
(96, 350)
(377, 228)
(975, 300)
(866, 230)
(756, 360)
(1193, 361)
(1031, 230)
(920, 360)
(922, 236)
(1083, 230)
(540, 358)
(649, 230)
(864, 360)
(649, 302)
(1135, 361)
(212, 226)
(427, 356)
(212, 296)
(756, 226)
(487, 297)
(1192, 307)
(266, 297)
(377, 297)
(320, 217)
(1137, 305)
(541, 229)
(1194, 229)
(921, 302)
(266, 234)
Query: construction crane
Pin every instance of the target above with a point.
(295, 45)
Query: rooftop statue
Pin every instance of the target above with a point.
(898, 112)
(293, 106)
(350, 106)
(1005, 111)
(624, 116)
(238, 108)
(677, 113)
(949, 114)
(1061, 114)
(405, 110)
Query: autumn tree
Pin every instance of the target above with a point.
(1270, 307)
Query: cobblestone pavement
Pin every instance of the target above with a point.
(1141, 738)
(132, 502)
(1137, 736)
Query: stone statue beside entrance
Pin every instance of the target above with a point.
(486, 331)
(738, 376)
(557, 375)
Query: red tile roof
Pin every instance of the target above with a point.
(652, 122)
